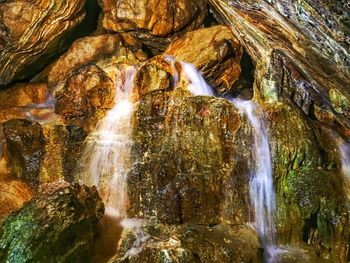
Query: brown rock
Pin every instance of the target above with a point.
(41, 153)
(30, 33)
(188, 243)
(13, 194)
(86, 96)
(89, 50)
(153, 21)
(214, 51)
(26, 146)
(190, 162)
(84, 79)
(23, 94)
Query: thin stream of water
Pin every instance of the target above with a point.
(262, 194)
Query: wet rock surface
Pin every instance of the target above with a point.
(25, 142)
(188, 189)
(189, 243)
(153, 22)
(31, 33)
(214, 51)
(83, 79)
(188, 164)
(42, 153)
(57, 225)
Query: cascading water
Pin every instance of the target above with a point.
(345, 158)
(197, 86)
(262, 194)
(107, 153)
(261, 189)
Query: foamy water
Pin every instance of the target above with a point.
(262, 194)
(197, 85)
(107, 156)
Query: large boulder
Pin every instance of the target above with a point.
(214, 51)
(154, 22)
(190, 161)
(188, 243)
(42, 152)
(30, 34)
(309, 191)
(84, 79)
(57, 225)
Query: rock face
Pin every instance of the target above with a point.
(189, 164)
(214, 51)
(189, 243)
(23, 94)
(154, 22)
(301, 78)
(297, 60)
(57, 225)
(31, 33)
(83, 79)
(310, 195)
(25, 142)
(42, 153)
(13, 194)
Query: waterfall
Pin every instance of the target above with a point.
(261, 188)
(345, 159)
(107, 153)
(262, 194)
(197, 85)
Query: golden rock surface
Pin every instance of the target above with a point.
(33, 31)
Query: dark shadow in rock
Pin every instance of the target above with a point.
(309, 225)
(109, 231)
(243, 87)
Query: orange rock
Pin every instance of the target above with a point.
(214, 51)
(13, 194)
(152, 20)
(23, 94)
(32, 32)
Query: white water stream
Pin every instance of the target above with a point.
(107, 153)
(262, 194)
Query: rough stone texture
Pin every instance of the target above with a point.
(42, 153)
(154, 22)
(13, 194)
(188, 243)
(23, 94)
(33, 31)
(302, 60)
(214, 51)
(83, 79)
(26, 146)
(303, 42)
(190, 160)
(310, 196)
(57, 225)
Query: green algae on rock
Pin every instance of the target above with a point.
(58, 225)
